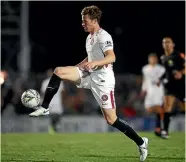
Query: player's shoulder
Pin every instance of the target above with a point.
(160, 66)
(180, 54)
(176, 52)
(145, 67)
(101, 34)
(88, 36)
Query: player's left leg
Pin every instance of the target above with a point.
(69, 73)
(105, 98)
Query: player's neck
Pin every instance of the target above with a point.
(152, 65)
(96, 29)
(169, 52)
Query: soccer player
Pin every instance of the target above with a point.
(95, 73)
(56, 104)
(154, 90)
(174, 63)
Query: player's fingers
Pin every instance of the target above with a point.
(87, 67)
(86, 64)
(91, 66)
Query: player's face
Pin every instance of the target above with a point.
(153, 60)
(168, 44)
(87, 23)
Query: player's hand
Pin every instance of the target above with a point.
(91, 65)
(158, 83)
(81, 65)
(177, 74)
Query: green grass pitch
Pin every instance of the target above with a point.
(101, 147)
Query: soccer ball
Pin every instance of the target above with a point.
(30, 98)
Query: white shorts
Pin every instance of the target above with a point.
(156, 98)
(103, 95)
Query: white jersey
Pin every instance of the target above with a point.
(151, 75)
(56, 105)
(96, 45)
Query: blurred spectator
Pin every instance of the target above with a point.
(128, 111)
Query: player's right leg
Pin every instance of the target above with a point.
(118, 123)
(105, 98)
(70, 73)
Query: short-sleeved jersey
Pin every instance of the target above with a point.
(151, 76)
(175, 61)
(96, 45)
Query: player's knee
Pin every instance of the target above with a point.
(110, 120)
(167, 108)
(59, 71)
(149, 110)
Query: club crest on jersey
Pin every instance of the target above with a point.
(104, 97)
(92, 41)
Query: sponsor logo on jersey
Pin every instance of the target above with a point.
(108, 44)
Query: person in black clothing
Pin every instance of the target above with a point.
(174, 79)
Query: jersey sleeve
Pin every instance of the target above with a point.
(105, 42)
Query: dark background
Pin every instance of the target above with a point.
(56, 27)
